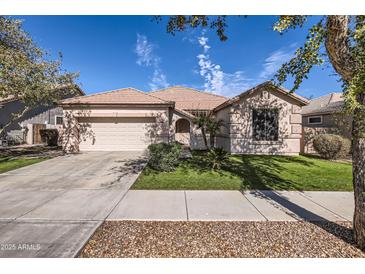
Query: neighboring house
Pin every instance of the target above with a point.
(26, 129)
(324, 115)
(263, 120)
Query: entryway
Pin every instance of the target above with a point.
(182, 131)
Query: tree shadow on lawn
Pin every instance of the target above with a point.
(199, 164)
(256, 172)
(263, 172)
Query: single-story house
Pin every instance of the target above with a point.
(324, 115)
(263, 120)
(26, 129)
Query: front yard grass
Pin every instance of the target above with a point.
(252, 172)
(9, 163)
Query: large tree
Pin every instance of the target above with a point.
(26, 73)
(339, 40)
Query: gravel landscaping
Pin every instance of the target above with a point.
(222, 239)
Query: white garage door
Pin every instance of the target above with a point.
(115, 133)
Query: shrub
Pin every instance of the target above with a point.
(164, 157)
(345, 148)
(331, 146)
(216, 157)
(49, 136)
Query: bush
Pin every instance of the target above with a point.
(164, 157)
(216, 157)
(345, 148)
(331, 146)
(49, 136)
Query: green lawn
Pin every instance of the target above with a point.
(10, 163)
(252, 172)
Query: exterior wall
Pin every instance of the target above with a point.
(14, 130)
(196, 138)
(328, 120)
(337, 121)
(73, 132)
(45, 116)
(241, 128)
(223, 138)
(40, 115)
(332, 123)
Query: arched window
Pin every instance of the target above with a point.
(182, 126)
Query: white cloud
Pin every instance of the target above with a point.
(211, 73)
(237, 82)
(215, 79)
(144, 51)
(274, 61)
(147, 58)
(229, 84)
(158, 80)
(203, 41)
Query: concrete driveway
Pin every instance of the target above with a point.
(51, 208)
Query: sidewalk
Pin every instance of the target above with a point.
(234, 206)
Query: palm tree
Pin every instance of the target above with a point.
(207, 124)
(213, 127)
(202, 121)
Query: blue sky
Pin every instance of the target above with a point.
(112, 52)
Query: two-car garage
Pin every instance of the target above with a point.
(119, 120)
(116, 133)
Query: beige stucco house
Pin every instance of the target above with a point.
(263, 120)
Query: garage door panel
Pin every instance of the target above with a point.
(103, 120)
(110, 131)
(130, 135)
(115, 141)
(117, 133)
(118, 125)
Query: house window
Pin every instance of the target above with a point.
(182, 126)
(59, 120)
(198, 113)
(313, 120)
(265, 124)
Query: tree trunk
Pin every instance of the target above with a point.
(211, 140)
(358, 171)
(338, 45)
(338, 49)
(204, 137)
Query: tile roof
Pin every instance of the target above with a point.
(119, 96)
(189, 98)
(269, 84)
(329, 103)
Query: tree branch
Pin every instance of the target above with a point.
(338, 46)
(15, 116)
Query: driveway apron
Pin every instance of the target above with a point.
(50, 209)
